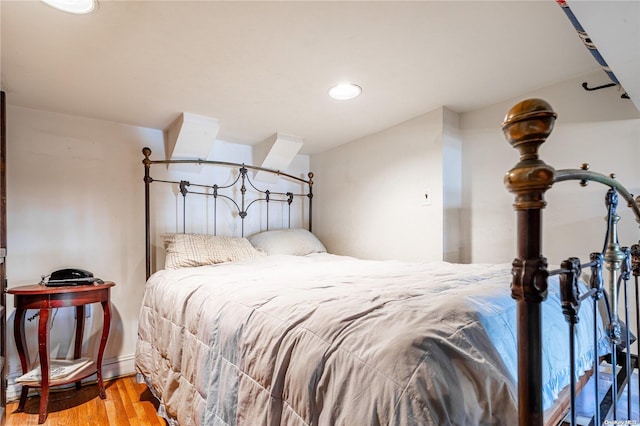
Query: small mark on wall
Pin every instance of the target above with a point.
(426, 200)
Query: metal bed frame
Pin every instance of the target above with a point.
(242, 181)
(526, 126)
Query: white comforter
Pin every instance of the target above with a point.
(332, 340)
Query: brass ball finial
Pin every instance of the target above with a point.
(527, 125)
(146, 151)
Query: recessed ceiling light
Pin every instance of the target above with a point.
(73, 6)
(345, 91)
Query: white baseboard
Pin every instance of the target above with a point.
(111, 368)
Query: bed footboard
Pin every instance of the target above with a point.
(526, 126)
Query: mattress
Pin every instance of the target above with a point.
(333, 340)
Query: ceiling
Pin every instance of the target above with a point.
(265, 67)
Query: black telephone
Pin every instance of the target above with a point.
(70, 276)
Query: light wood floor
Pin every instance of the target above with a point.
(127, 403)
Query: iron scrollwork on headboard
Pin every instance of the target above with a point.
(242, 206)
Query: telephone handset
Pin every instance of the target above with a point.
(70, 276)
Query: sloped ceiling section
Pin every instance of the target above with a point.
(614, 27)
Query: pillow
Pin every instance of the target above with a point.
(294, 241)
(184, 250)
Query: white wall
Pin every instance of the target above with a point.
(75, 199)
(369, 193)
(597, 128)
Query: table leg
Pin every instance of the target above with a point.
(77, 351)
(106, 309)
(43, 351)
(19, 336)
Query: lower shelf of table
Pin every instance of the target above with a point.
(82, 373)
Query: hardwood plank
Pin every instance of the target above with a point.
(127, 403)
(95, 415)
(132, 389)
(82, 413)
(112, 413)
(129, 409)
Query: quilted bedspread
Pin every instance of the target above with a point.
(333, 340)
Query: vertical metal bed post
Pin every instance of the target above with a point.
(243, 190)
(310, 195)
(147, 180)
(570, 296)
(184, 191)
(526, 127)
(635, 270)
(597, 284)
(624, 276)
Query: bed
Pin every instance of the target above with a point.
(269, 328)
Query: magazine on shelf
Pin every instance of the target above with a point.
(58, 369)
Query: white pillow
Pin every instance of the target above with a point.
(185, 250)
(294, 241)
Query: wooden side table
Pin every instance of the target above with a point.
(45, 299)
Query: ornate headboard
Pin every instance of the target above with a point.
(239, 195)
